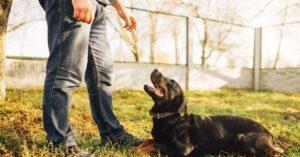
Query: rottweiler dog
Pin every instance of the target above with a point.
(177, 133)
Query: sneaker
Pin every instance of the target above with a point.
(125, 139)
(75, 151)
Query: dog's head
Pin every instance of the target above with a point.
(166, 94)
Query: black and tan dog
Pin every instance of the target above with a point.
(177, 133)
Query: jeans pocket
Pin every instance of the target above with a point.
(101, 3)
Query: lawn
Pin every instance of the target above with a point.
(21, 130)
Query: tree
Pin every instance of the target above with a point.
(175, 33)
(153, 36)
(284, 13)
(214, 40)
(214, 34)
(132, 39)
(281, 35)
(5, 6)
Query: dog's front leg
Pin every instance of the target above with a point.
(182, 143)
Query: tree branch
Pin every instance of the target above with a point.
(21, 24)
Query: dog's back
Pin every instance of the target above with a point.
(232, 134)
(239, 125)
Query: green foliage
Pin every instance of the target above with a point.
(21, 130)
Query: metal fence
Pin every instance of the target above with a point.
(206, 42)
(169, 39)
(165, 38)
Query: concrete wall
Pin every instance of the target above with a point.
(134, 76)
(285, 80)
(215, 78)
(25, 73)
(31, 73)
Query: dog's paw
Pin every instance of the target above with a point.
(145, 150)
(146, 143)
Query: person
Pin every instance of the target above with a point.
(79, 49)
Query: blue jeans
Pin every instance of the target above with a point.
(77, 51)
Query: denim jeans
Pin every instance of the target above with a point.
(77, 51)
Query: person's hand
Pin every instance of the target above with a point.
(83, 11)
(130, 22)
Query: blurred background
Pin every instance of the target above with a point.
(203, 44)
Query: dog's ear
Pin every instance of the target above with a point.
(179, 99)
(183, 108)
(181, 104)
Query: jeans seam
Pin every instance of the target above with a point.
(97, 75)
(98, 84)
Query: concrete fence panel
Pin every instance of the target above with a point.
(28, 73)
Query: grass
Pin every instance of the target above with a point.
(21, 130)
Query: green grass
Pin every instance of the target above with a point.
(21, 130)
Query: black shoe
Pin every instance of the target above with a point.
(76, 152)
(125, 139)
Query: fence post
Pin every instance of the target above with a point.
(189, 57)
(257, 58)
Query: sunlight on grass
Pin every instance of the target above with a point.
(21, 130)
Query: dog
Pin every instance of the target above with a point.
(177, 133)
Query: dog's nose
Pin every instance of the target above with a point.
(155, 72)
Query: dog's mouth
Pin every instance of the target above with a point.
(156, 90)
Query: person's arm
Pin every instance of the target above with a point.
(130, 22)
(84, 12)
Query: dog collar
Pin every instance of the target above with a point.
(165, 114)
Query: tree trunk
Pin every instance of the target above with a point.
(175, 37)
(177, 61)
(5, 6)
(204, 43)
(203, 58)
(278, 49)
(135, 46)
(280, 38)
(153, 37)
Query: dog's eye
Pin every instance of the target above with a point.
(171, 83)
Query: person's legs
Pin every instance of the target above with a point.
(71, 45)
(68, 45)
(98, 77)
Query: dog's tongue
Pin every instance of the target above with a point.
(158, 92)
